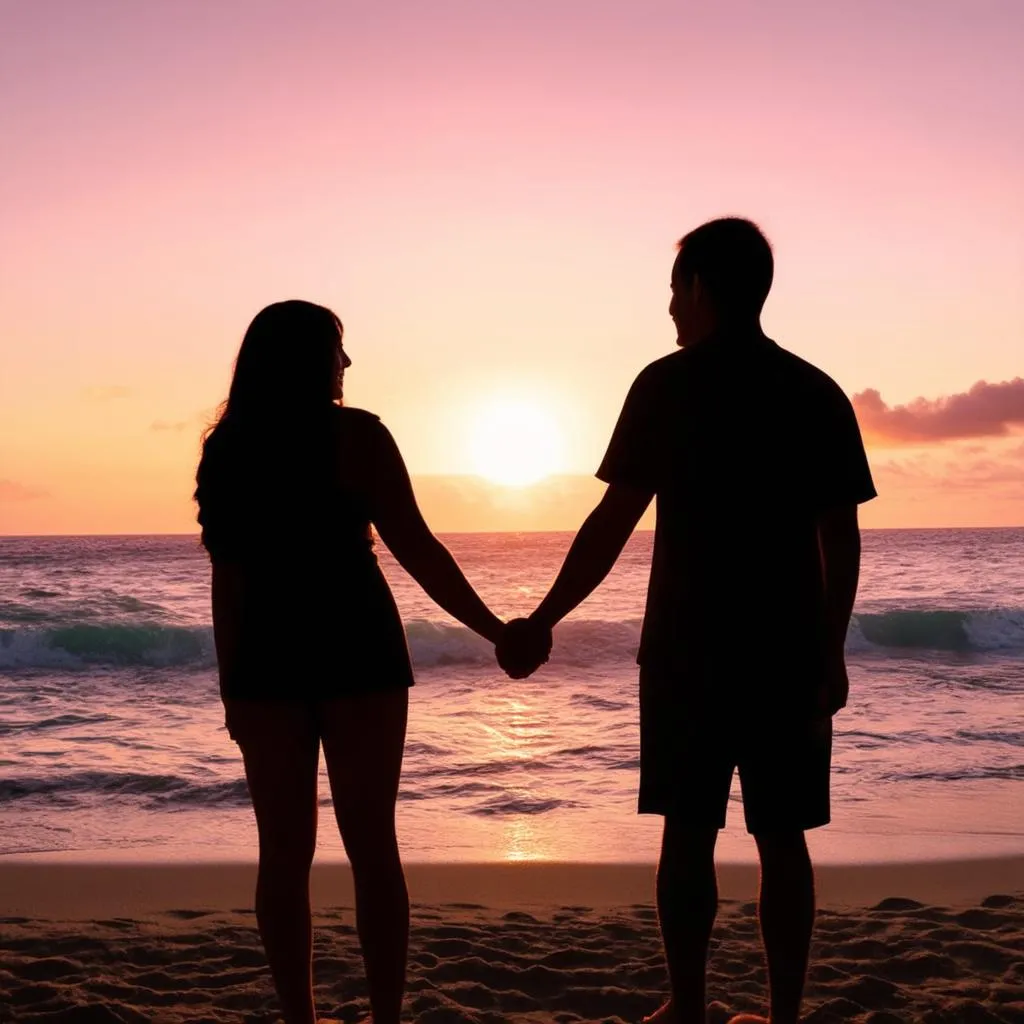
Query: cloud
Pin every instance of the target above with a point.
(11, 490)
(106, 392)
(202, 419)
(982, 471)
(987, 410)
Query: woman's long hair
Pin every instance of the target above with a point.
(287, 365)
(285, 379)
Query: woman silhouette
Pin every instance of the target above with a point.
(310, 647)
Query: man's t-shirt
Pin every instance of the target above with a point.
(745, 445)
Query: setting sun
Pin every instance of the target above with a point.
(515, 443)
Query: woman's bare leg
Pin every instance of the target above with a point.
(280, 747)
(363, 739)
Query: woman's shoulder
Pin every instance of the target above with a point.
(359, 423)
(361, 427)
(358, 417)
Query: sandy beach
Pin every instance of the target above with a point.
(565, 943)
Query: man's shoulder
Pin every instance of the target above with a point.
(773, 363)
(664, 369)
(806, 377)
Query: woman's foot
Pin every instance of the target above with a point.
(749, 1018)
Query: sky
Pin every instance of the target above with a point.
(489, 194)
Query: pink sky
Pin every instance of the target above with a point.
(488, 194)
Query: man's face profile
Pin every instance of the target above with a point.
(685, 310)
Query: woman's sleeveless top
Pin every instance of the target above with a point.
(289, 512)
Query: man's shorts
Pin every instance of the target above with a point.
(689, 749)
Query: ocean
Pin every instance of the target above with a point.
(112, 743)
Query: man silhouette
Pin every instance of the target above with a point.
(758, 467)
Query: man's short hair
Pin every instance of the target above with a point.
(733, 260)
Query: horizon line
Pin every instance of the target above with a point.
(465, 533)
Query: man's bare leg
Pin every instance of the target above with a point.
(786, 910)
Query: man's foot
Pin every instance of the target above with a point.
(663, 1015)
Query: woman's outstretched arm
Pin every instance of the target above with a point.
(401, 526)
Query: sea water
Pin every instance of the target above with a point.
(112, 742)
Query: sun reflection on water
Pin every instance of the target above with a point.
(522, 843)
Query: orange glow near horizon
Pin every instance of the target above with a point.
(515, 442)
(489, 196)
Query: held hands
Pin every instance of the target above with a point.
(523, 647)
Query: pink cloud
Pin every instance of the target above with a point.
(200, 419)
(11, 490)
(990, 471)
(986, 410)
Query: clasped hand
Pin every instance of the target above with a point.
(523, 647)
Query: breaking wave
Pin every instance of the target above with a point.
(580, 642)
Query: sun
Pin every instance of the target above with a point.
(515, 443)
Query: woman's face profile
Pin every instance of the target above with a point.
(341, 364)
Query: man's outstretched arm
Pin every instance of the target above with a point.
(594, 551)
(631, 468)
(526, 643)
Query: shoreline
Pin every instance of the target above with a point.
(78, 891)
